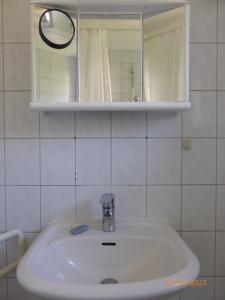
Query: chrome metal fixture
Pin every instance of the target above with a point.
(108, 209)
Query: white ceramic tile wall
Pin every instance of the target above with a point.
(56, 76)
(56, 165)
(122, 64)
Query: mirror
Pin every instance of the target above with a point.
(55, 56)
(110, 58)
(122, 57)
(56, 28)
(165, 55)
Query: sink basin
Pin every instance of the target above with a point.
(140, 260)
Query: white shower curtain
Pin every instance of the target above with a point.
(164, 66)
(95, 85)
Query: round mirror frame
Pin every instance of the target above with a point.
(47, 41)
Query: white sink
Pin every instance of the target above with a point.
(146, 258)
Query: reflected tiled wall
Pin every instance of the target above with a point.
(56, 165)
(55, 76)
(125, 72)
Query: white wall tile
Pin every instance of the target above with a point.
(203, 67)
(19, 29)
(20, 120)
(164, 124)
(1, 115)
(221, 67)
(128, 161)
(220, 161)
(125, 70)
(130, 201)
(16, 292)
(221, 20)
(115, 70)
(2, 208)
(1, 67)
(220, 257)
(93, 162)
(12, 245)
(23, 208)
(198, 207)
(22, 162)
(164, 202)
(164, 161)
(200, 292)
(92, 124)
(220, 114)
(128, 124)
(203, 21)
(17, 66)
(57, 125)
(2, 164)
(57, 203)
(115, 83)
(1, 14)
(114, 56)
(3, 289)
(2, 255)
(220, 213)
(174, 297)
(87, 201)
(200, 120)
(203, 245)
(219, 288)
(13, 251)
(57, 161)
(199, 163)
(129, 158)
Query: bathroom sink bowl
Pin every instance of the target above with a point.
(144, 260)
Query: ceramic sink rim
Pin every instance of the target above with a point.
(126, 291)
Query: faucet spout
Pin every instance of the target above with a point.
(108, 209)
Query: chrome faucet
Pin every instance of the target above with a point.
(108, 209)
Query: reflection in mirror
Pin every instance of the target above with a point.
(110, 58)
(56, 69)
(164, 56)
(56, 28)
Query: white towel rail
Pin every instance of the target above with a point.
(21, 249)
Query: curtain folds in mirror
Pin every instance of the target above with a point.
(95, 83)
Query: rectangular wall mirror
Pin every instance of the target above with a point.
(56, 69)
(110, 58)
(165, 73)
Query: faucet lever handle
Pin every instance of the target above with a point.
(107, 200)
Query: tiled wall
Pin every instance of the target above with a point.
(56, 80)
(137, 155)
(125, 71)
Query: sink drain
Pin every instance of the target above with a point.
(108, 281)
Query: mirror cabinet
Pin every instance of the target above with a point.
(110, 61)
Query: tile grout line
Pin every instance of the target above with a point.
(146, 163)
(4, 143)
(111, 152)
(75, 164)
(40, 167)
(181, 186)
(215, 205)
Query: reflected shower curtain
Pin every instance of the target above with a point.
(95, 85)
(164, 73)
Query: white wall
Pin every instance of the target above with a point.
(139, 155)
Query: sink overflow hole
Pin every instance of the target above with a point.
(109, 244)
(108, 281)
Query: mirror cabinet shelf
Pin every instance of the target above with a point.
(106, 59)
